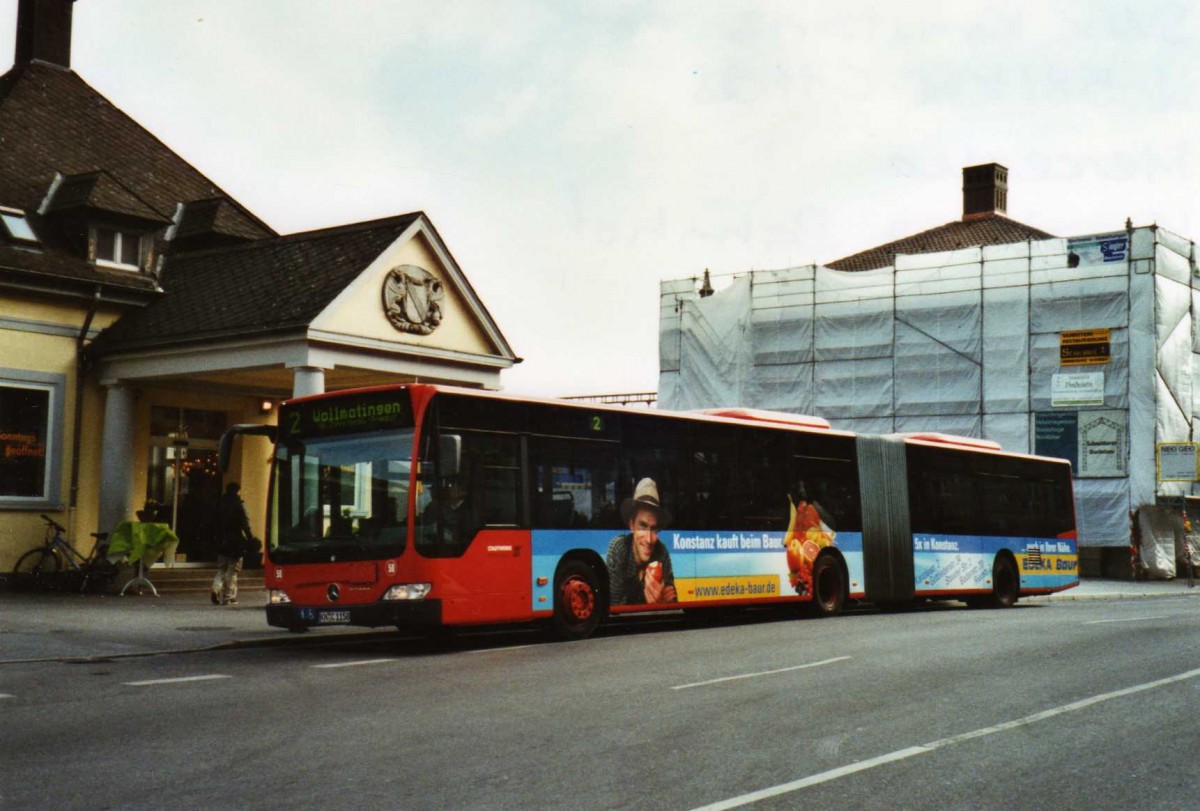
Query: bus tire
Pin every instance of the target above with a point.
(829, 587)
(579, 601)
(1006, 585)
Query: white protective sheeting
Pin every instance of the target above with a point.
(965, 342)
(1158, 528)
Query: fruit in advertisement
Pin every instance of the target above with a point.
(806, 536)
(795, 557)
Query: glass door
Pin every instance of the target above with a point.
(183, 485)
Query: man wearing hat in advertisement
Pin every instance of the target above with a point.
(639, 567)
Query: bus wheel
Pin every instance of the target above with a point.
(1005, 584)
(578, 600)
(829, 587)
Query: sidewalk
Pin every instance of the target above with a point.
(59, 626)
(1093, 588)
(36, 626)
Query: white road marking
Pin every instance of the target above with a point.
(6, 695)
(902, 754)
(1128, 619)
(498, 650)
(179, 680)
(359, 663)
(756, 675)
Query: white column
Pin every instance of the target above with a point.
(308, 380)
(116, 475)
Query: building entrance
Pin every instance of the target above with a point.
(183, 483)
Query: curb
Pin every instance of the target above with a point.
(1068, 597)
(296, 640)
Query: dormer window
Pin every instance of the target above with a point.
(15, 228)
(117, 249)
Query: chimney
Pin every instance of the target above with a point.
(985, 190)
(44, 31)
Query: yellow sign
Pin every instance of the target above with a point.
(1043, 564)
(746, 587)
(1084, 347)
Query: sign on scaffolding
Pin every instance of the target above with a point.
(1176, 461)
(1079, 389)
(1085, 347)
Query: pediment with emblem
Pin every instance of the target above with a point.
(414, 294)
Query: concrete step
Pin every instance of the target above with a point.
(198, 579)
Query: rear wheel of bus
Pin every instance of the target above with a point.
(829, 586)
(579, 600)
(1006, 585)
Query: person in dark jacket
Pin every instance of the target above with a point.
(233, 537)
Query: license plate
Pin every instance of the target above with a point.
(333, 617)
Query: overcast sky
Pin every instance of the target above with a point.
(574, 154)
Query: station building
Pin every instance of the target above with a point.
(143, 311)
(1081, 347)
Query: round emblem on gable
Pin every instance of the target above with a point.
(412, 299)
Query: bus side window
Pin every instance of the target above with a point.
(712, 496)
(763, 458)
(574, 483)
(656, 449)
(497, 460)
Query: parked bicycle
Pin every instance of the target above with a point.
(57, 564)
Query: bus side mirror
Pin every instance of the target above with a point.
(449, 455)
(225, 449)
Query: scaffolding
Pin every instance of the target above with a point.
(1082, 348)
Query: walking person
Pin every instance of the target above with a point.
(233, 536)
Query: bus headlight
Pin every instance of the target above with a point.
(408, 591)
(277, 597)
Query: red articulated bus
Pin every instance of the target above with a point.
(425, 506)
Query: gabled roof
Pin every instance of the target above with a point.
(265, 287)
(987, 229)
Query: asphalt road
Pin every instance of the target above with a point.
(1066, 705)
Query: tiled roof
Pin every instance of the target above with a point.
(100, 191)
(66, 270)
(268, 286)
(204, 219)
(990, 229)
(52, 122)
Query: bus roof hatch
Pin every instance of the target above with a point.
(953, 439)
(760, 415)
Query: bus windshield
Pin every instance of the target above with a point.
(341, 498)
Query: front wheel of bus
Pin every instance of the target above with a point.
(829, 587)
(578, 600)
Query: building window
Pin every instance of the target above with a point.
(119, 249)
(30, 431)
(15, 227)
